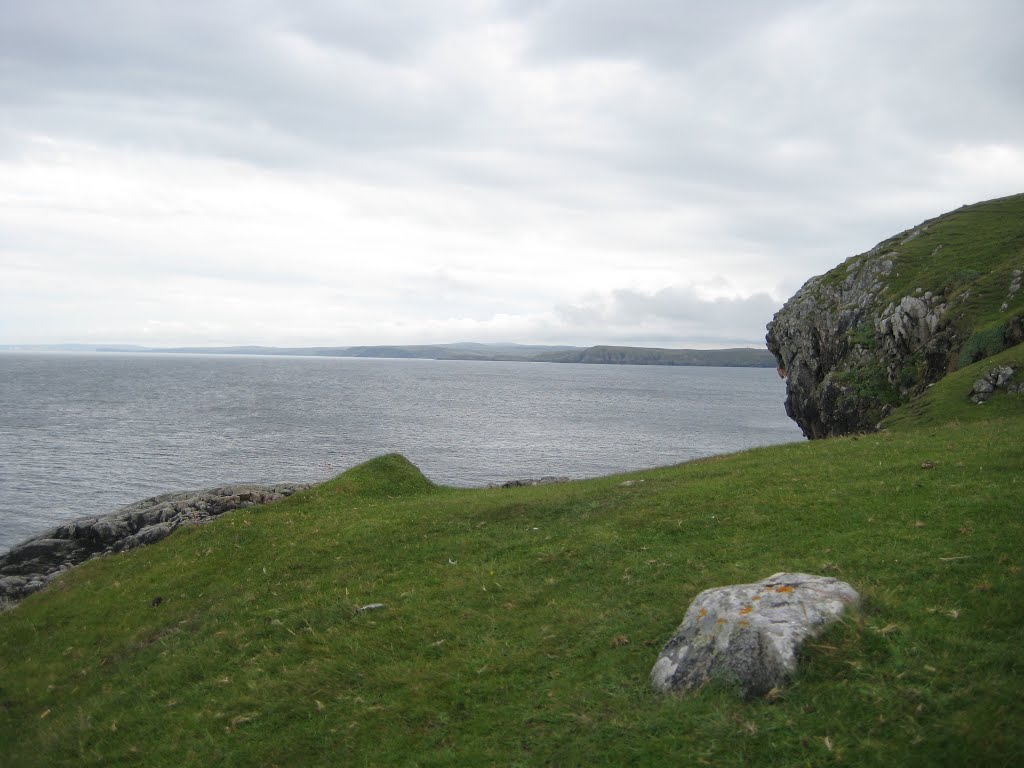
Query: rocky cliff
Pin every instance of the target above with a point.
(879, 328)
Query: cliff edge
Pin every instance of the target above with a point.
(876, 330)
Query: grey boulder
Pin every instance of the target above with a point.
(1002, 377)
(749, 634)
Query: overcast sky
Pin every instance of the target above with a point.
(305, 172)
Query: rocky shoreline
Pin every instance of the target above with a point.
(31, 565)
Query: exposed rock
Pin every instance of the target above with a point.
(999, 378)
(831, 326)
(29, 566)
(908, 325)
(838, 350)
(749, 634)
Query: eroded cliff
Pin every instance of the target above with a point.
(879, 328)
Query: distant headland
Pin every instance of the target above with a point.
(740, 357)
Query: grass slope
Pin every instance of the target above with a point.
(521, 624)
(948, 403)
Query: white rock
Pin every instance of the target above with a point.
(749, 634)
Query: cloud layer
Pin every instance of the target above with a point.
(312, 172)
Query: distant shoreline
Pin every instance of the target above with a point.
(739, 357)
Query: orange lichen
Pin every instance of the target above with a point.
(703, 612)
(756, 597)
(784, 588)
(746, 610)
(744, 623)
(721, 621)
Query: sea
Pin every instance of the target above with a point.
(85, 433)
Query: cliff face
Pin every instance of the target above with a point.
(847, 360)
(879, 328)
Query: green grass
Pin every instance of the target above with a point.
(521, 624)
(992, 233)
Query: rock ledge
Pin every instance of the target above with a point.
(30, 566)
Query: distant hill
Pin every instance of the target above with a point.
(529, 353)
(726, 358)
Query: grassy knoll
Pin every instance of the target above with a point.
(521, 624)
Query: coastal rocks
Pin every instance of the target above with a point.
(749, 634)
(29, 566)
(999, 378)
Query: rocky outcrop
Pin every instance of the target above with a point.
(878, 329)
(748, 635)
(1001, 377)
(29, 566)
(845, 351)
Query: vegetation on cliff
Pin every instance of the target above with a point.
(519, 625)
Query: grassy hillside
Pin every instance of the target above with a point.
(520, 625)
(932, 258)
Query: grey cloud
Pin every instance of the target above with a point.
(221, 79)
(394, 31)
(803, 130)
(670, 33)
(877, 87)
(216, 78)
(676, 315)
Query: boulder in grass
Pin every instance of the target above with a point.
(748, 635)
(999, 378)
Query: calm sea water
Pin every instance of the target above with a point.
(82, 434)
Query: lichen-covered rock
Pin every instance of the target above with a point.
(749, 634)
(29, 566)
